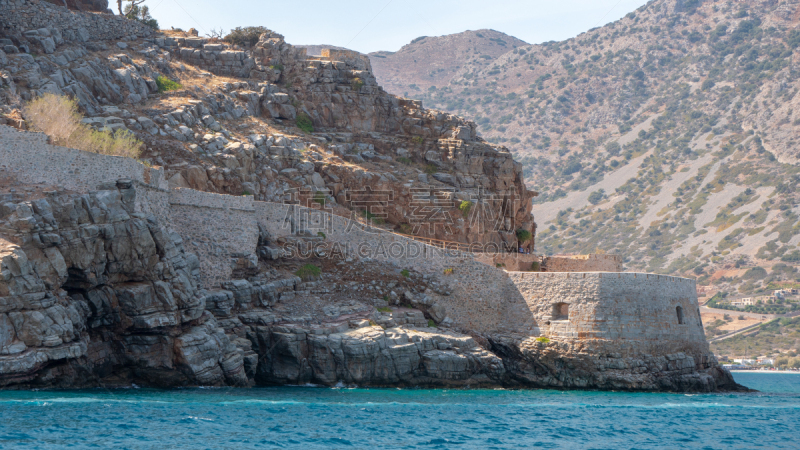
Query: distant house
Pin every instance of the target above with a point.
(765, 361)
(783, 293)
(746, 301)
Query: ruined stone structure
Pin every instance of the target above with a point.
(618, 330)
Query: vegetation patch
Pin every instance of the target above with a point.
(465, 208)
(303, 121)
(165, 84)
(245, 36)
(524, 236)
(58, 117)
(308, 272)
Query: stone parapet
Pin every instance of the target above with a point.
(582, 263)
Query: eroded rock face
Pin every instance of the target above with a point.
(88, 287)
(373, 356)
(565, 365)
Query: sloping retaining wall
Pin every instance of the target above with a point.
(483, 298)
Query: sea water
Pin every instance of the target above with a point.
(316, 418)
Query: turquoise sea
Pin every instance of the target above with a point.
(316, 418)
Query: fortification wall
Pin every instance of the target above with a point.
(357, 60)
(512, 262)
(35, 161)
(19, 16)
(583, 263)
(627, 313)
(216, 228)
(483, 298)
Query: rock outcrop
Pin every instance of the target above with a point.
(89, 287)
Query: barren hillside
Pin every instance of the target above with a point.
(667, 137)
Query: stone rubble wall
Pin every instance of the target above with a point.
(20, 16)
(36, 162)
(583, 263)
(628, 313)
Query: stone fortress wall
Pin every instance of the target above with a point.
(654, 314)
(639, 311)
(39, 21)
(582, 263)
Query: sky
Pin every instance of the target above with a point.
(368, 26)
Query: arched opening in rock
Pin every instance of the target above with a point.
(561, 311)
(679, 312)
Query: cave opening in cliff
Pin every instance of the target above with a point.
(679, 311)
(561, 311)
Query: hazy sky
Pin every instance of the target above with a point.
(373, 25)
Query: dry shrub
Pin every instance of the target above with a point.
(58, 117)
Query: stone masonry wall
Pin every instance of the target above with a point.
(35, 161)
(583, 263)
(19, 16)
(512, 262)
(216, 228)
(627, 313)
(483, 297)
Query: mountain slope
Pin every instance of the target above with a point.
(667, 137)
(434, 61)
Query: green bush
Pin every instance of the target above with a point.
(304, 122)
(357, 84)
(165, 84)
(308, 272)
(322, 235)
(596, 197)
(430, 169)
(405, 273)
(319, 197)
(524, 236)
(465, 208)
(542, 339)
(404, 160)
(535, 266)
(431, 323)
(245, 36)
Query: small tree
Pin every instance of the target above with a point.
(139, 13)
